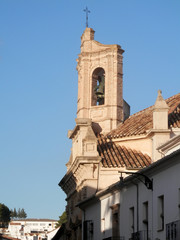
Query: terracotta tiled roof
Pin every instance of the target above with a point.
(139, 123)
(33, 220)
(13, 223)
(8, 237)
(174, 111)
(114, 155)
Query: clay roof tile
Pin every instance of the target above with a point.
(114, 155)
(140, 122)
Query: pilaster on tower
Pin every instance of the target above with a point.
(100, 83)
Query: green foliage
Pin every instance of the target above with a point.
(62, 219)
(20, 214)
(23, 213)
(13, 213)
(4, 215)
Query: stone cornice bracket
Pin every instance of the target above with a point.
(79, 122)
(84, 141)
(173, 143)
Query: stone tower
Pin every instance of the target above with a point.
(100, 83)
(100, 108)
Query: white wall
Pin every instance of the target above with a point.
(28, 226)
(166, 182)
(106, 214)
(93, 212)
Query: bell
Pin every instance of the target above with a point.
(99, 90)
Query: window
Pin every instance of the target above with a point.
(145, 218)
(173, 230)
(98, 87)
(179, 201)
(160, 211)
(145, 213)
(42, 224)
(115, 221)
(88, 230)
(131, 219)
(84, 192)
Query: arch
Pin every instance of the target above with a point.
(98, 87)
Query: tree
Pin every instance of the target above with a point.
(5, 214)
(23, 213)
(62, 219)
(18, 214)
(13, 213)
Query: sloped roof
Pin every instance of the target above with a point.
(139, 123)
(114, 155)
(3, 236)
(33, 220)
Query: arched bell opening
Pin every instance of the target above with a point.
(98, 87)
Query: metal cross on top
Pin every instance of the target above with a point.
(87, 11)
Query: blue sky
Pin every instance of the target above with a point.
(39, 45)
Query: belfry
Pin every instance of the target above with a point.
(100, 83)
(100, 108)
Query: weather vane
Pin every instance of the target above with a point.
(87, 11)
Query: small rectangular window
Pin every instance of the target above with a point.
(131, 219)
(160, 211)
(88, 230)
(179, 200)
(115, 221)
(145, 220)
(145, 213)
(42, 224)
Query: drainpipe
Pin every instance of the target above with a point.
(84, 217)
(137, 186)
(147, 182)
(97, 189)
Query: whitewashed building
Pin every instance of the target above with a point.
(32, 229)
(131, 209)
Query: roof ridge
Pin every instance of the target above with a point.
(34, 219)
(172, 97)
(141, 122)
(143, 110)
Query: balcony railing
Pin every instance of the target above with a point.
(173, 230)
(141, 235)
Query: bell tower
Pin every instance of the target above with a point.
(100, 83)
